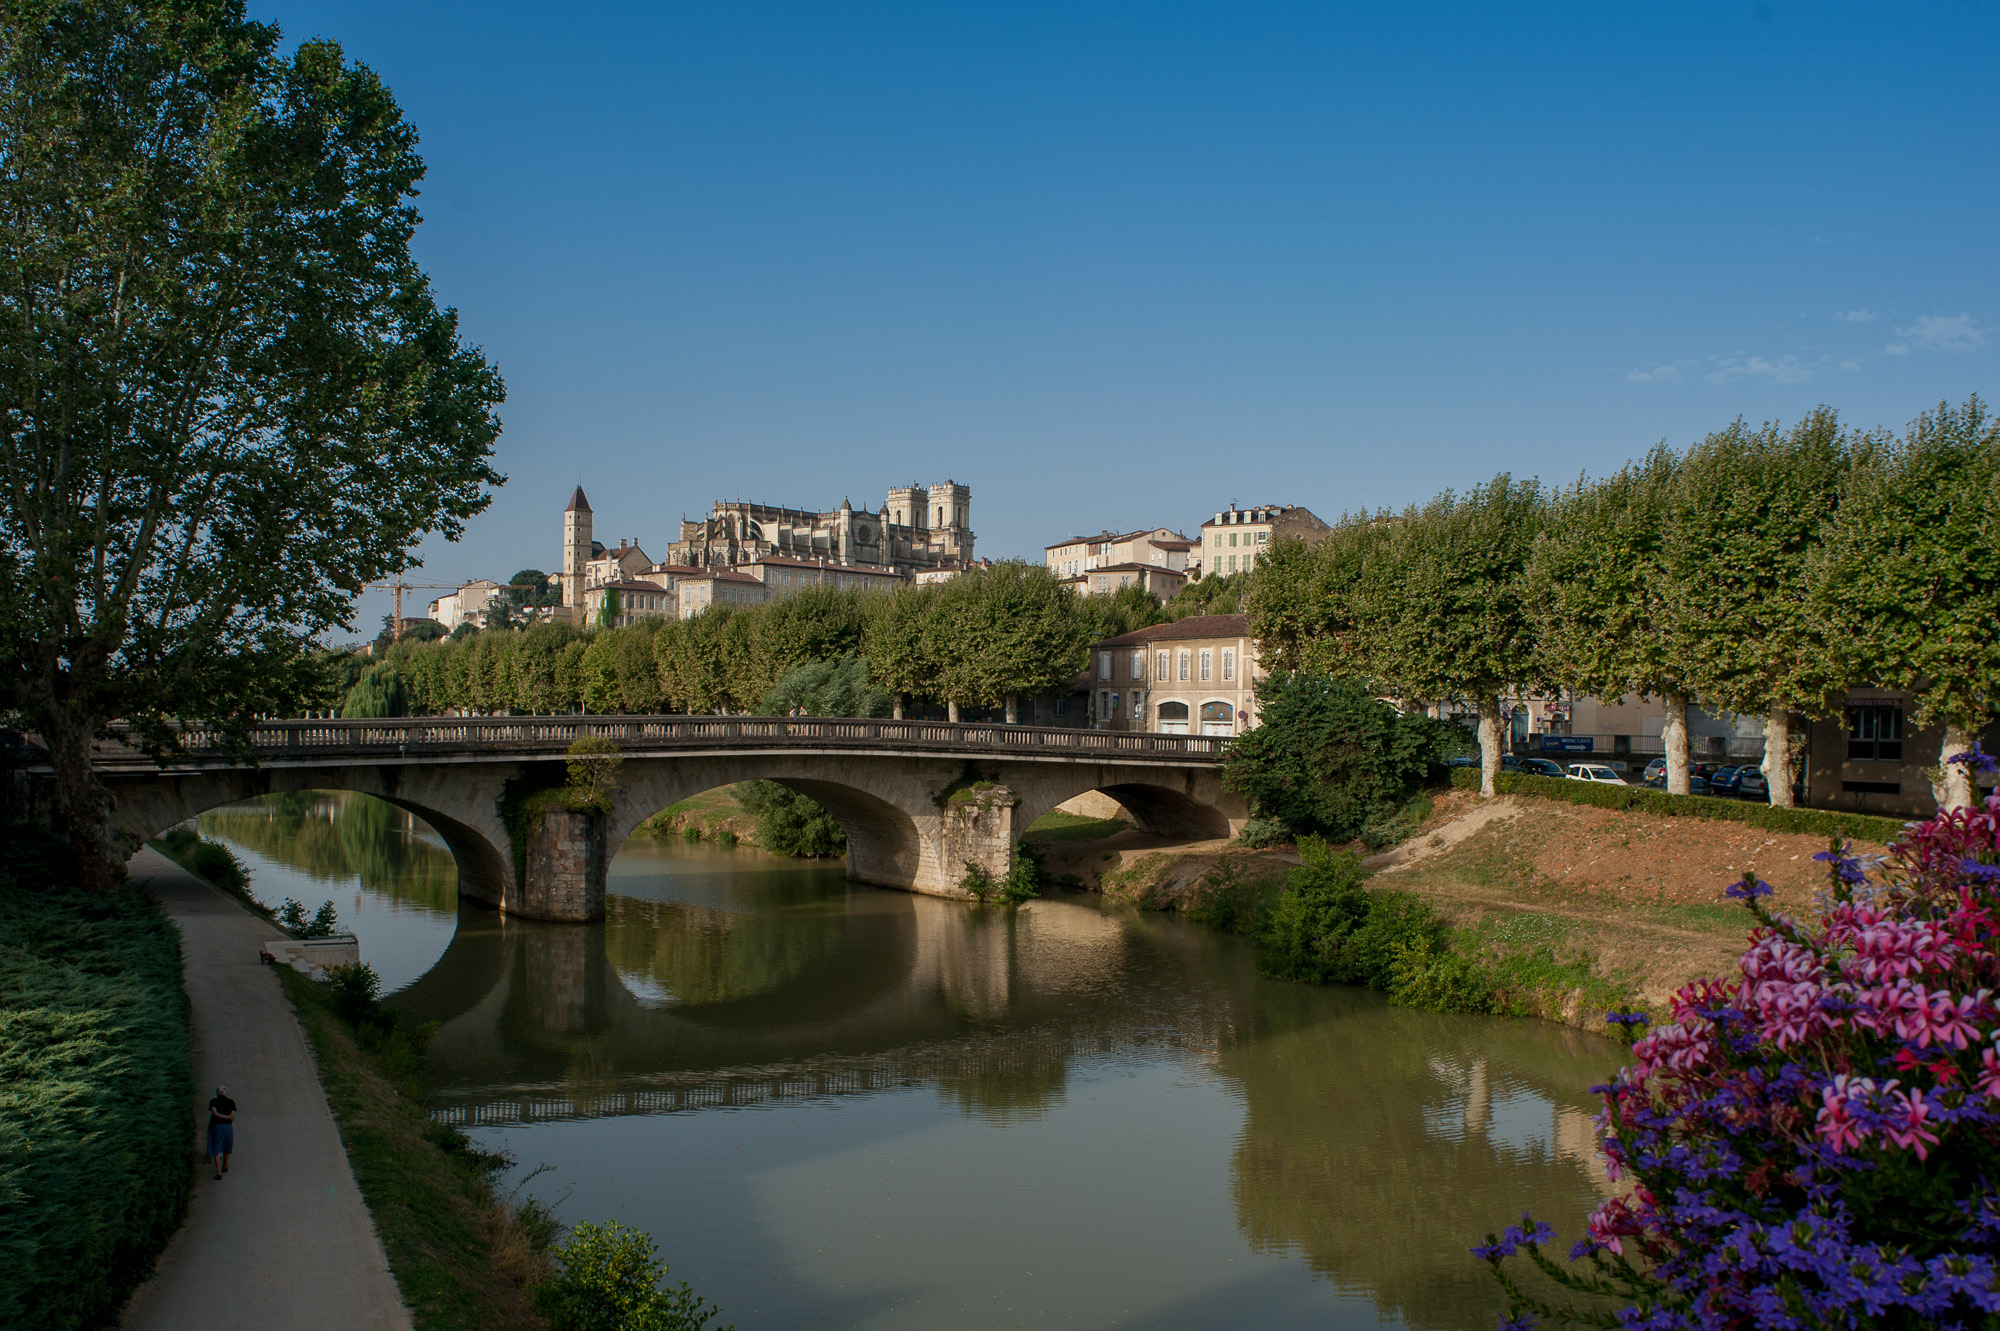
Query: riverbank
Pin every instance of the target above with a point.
(463, 1257)
(1567, 910)
(96, 1097)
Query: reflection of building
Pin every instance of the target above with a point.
(1232, 540)
(1194, 677)
(917, 529)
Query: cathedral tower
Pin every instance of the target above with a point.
(576, 550)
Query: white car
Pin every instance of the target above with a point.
(1595, 772)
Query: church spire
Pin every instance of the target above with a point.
(577, 503)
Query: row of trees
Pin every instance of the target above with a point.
(1765, 571)
(985, 639)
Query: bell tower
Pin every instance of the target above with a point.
(576, 550)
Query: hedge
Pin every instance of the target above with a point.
(1644, 799)
(96, 1100)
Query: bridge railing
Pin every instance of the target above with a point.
(459, 736)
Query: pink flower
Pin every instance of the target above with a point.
(1906, 1126)
(1837, 1125)
(1989, 1080)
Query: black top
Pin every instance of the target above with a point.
(218, 1107)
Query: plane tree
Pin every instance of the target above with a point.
(1597, 585)
(228, 397)
(1443, 613)
(1908, 580)
(1746, 512)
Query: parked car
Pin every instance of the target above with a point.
(1542, 767)
(1723, 780)
(1461, 761)
(1509, 763)
(1696, 785)
(1657, 767)
(1751, 785)
(1706, 770)
(1597, 772)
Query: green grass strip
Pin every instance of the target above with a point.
(430, 1190)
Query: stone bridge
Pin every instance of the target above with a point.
(919, 800)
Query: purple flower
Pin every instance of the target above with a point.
(1976, 758)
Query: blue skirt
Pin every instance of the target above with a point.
(221, 1138)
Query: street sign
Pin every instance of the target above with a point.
(1568, 743)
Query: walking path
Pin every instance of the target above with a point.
(284, 1239)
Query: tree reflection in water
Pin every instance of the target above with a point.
(1381, 1143)
(336, 835)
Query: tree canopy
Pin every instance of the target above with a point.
(230, 398)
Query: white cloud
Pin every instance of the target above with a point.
(1850, 365)
(1895, 349)
(1940, 332)
(1856, 316)
(1661, 374)
(1783, 370)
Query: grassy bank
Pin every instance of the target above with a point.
(1323, 921)
(461, 1256)
(96, 1098)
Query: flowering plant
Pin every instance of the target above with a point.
(1816, 1143)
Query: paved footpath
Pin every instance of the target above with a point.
(284, 1239)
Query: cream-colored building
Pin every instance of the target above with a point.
(468, 605)
(1159, 546)
(782, 575)
(1161, 582)
(1194, 677)
(717, 586)
(1232, 540)
(638, 598)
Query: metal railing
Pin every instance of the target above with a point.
(404, 738)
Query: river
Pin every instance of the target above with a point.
(837, 1106)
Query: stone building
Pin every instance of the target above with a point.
(468, 605)
(696, 592)
(1159, 547)
(1232, 540)
(638, 598)
(918, 528)
(1194, 677)
(1161, 582)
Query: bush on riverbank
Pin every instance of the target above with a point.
(789, 823)
(609, 1278)
(1322, 924)
(96, 1096)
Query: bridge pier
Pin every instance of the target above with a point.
(563, 877)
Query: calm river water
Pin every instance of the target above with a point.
(836, 1106)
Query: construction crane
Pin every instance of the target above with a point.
(398, 586)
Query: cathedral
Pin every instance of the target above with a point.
(919, 529)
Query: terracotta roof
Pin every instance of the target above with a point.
(1197, 626)
(721, 575)
(787, 561)
(630, 585)
(577, 503)
(1106, 538)
(1128, 567)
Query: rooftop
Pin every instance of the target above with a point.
(1196, 626)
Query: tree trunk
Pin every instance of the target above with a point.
(951, 710)
(1674, 734)
(896, 708)
(1489, 744)
(1777, 764)
(82, 808)
(1953, 788)
(1013, 709)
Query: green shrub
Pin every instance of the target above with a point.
(356, 991)
(789, 823)
(610, 1278)
(837, 687)
(690, 833)
(291, 917)
(1644, 799)
(1428, 973)
(1261, 832)
(1329, 758)
(96, 1095)
(1327, 928)
(726, 839)
(380, 691)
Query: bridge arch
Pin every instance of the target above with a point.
(1191, 804)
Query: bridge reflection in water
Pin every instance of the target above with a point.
(1358, 1147)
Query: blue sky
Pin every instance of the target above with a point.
(1118, 264)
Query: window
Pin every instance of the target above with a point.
(1161, 669)
(1138, 664)
(1232, 563)
(1228, 663)
(1875, 734)
(1184, 665)
(1103, 706)
(1206, 659)
(1113, 713)
(1263, 538)
(1232, 538)
(1103, 665)
(1060, 707)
